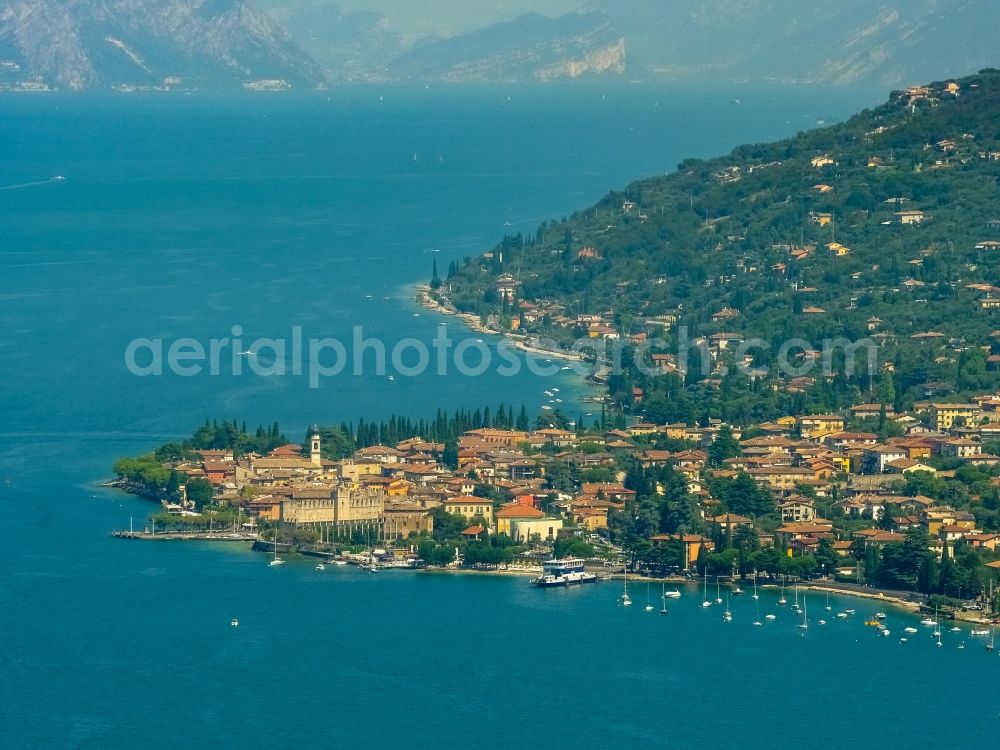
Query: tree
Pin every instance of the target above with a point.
(435, 279)
(724, 446)
(523, 425)
(826, 557)
(450, 455)
(744, 496)
(200, 492)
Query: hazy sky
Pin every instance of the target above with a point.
(424, 17)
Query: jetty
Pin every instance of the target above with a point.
(202, 536)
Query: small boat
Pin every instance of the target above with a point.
(822, 622)
(770, 617)
(234, 623)
(625, 600)
(275, 560)
(673, 594)
(849, 611)
(928, 621)
(321, 566)
(909, 630)
(804, 625)
(880, 615)
(873, 623)
(737, 591)
(956, 629)
(902, 640)
(962, 644)
(841, 615)
(980, 632)
(885, 632)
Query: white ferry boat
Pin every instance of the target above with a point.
(565, 572)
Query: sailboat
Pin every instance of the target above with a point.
(757, 623)
(755, 597)
(804, 625)
(937, 628)
(663, 600)
(624, 598)
(648, 607)
(718, 591)
(782, 601)
(828, 607)
(275, 560)
(706, 603)
(727, 615)
(795, 605)
(989, 646)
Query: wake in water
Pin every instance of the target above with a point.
(36, 183)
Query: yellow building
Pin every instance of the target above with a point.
(944, 416)
(469, 507)
(818, 425)
(782, 478)
(513, 513)
(535, 529)
(692, 544)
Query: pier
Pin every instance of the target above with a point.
(203, 536)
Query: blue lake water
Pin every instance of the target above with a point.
(183, 217)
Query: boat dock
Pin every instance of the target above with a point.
(203, 536)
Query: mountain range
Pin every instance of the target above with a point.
(88, 44)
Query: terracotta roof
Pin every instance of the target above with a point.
(518, 510)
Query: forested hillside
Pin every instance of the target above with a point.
(886, 226)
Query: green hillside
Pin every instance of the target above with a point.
(755, 232)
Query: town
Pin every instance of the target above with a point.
(802, 497)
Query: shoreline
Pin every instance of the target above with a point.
(874, 595)
(426, 300)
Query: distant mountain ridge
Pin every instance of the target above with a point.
(88, 44)
(885, 42)
(531, 47)
(101, 43)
